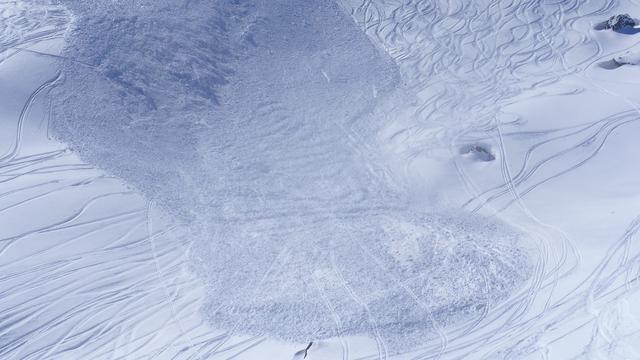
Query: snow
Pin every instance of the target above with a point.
(628, 57)
(384, 179)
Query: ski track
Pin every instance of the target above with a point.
(427, 50)
(48, 308)
(66, 316)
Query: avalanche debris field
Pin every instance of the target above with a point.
(327, 179)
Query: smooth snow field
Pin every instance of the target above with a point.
(326, 179)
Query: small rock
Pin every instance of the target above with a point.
(619, 22)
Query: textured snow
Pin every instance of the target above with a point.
(268, 170)
(352, 179)
(397, 275)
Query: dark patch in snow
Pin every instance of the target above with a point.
(479, 152)
(622, 23)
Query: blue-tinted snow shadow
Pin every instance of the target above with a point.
(609, 64)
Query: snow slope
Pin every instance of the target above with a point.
(277, 188)
(387, 179)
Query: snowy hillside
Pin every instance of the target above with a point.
(328, 179)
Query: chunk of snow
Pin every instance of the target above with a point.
(628, 58)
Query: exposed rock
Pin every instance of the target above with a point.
(620, 22)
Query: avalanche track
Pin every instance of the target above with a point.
(386, 179)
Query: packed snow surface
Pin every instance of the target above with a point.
(208, 179)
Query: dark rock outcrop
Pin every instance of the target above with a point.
(620, 22)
